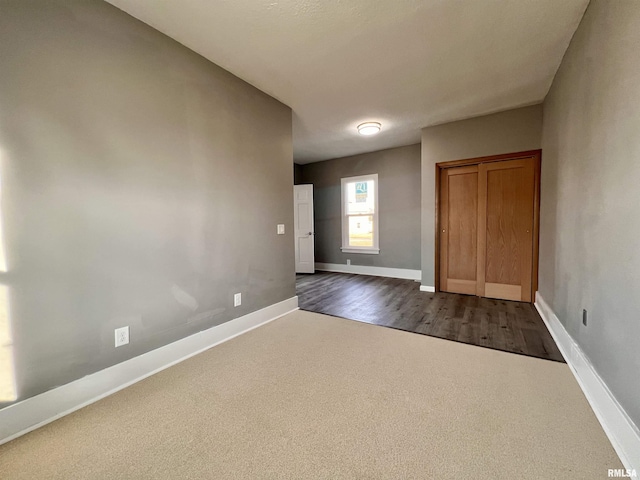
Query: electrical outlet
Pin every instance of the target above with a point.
(122, 336)
(348, 261)
(281, 229)
(237, 300)
(584, 317)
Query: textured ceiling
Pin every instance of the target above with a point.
(405, 63)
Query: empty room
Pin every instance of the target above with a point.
(319, 239)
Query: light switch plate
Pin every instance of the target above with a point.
(281, 229)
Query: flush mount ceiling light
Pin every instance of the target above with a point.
(369, 128)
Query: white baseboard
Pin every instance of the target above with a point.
(34, 412)
(374, 271)
(622, 432)
(427, 288)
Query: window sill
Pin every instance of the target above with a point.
(368, 251)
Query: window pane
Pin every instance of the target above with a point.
(361, 231)
(360, 197)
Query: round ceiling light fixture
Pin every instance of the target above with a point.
(369, 128)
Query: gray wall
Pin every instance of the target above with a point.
(590, 228)
(506, 132)
(297, 174)
(398, 172)
(141, 186)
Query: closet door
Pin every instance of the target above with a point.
(505, 229)
(459, 229)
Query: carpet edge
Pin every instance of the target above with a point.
(619, 428)
(35, 412)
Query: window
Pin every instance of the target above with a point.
(360, 214)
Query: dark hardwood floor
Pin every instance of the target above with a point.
(499, 324)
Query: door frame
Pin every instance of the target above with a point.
(537, 156)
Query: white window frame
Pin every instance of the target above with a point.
(375, 249)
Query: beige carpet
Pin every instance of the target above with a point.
(313, 396)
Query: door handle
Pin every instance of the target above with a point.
(311, 233)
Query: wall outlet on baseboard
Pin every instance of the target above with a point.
(122, 336)
(237, 300)
(584, 317)
(348, 261)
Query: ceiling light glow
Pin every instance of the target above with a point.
(369, 128)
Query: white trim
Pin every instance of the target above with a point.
(34, 412)
(427, 288)
(368, 270)
(622, 432)
(368, 251)
(375, 249)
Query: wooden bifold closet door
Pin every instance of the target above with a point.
(487, 216)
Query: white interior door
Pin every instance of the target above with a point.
(303, 226)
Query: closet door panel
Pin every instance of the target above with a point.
(459, 221)
(509, 229)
